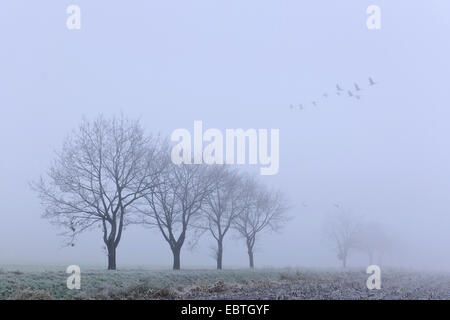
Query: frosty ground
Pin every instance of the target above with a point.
(18, 282)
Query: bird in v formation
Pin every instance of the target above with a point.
(339, 89)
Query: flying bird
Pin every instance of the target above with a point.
(291, 106)
(357, 88)
(371, 82)
(314, 104)
(350, 94)
(357, 97)
(325, 95)
(339, 88)
(300, 106)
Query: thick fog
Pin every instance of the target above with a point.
(239, 64)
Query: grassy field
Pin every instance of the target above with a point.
(98, 283)
(18, 282)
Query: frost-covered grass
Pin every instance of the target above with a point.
(22, 282)
(97, 282)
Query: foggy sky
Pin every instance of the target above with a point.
(238, 64)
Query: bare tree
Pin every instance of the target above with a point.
(222, 206)
(374, 240)
(264, 210)
(344, 231)
(103, 168)
(175, 202)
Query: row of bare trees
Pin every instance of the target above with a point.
(110, 174)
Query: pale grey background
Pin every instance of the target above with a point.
(238, 64)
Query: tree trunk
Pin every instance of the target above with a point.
(219, 254)
(250, 258)
(111, 257)
(176, 258)
(250, 243)
(344, 261)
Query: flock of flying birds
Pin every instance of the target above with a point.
(353, 94)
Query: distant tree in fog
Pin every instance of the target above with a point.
(374, 241)
(264, 210)
(344, 231)
(222, 206)
(104, 167)
(174, 205)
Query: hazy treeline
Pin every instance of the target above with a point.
(348, 233)
(109, 174)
